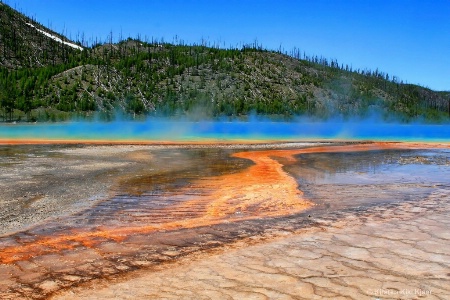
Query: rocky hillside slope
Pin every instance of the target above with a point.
(44, 76)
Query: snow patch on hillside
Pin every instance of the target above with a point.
(55, 38)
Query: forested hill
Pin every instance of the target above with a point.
(27, 44)
(44, 76)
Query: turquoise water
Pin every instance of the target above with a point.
(225, 131)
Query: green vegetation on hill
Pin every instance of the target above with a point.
(56, 82)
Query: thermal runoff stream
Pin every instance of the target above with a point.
(256, 209)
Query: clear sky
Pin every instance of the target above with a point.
(406, 38)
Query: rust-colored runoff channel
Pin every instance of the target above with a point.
(262, 190)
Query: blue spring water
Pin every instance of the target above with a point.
(163, 130)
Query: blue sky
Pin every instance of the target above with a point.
(406, 38)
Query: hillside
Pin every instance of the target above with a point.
(43, 78)
(26, 43)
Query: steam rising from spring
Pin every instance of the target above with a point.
(158, 130)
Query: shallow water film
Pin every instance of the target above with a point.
(306, 220)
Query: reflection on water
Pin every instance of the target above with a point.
(175, 168)
(347, 179)
(152, 193)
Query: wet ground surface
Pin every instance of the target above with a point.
(167, 205)
(349, 179)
